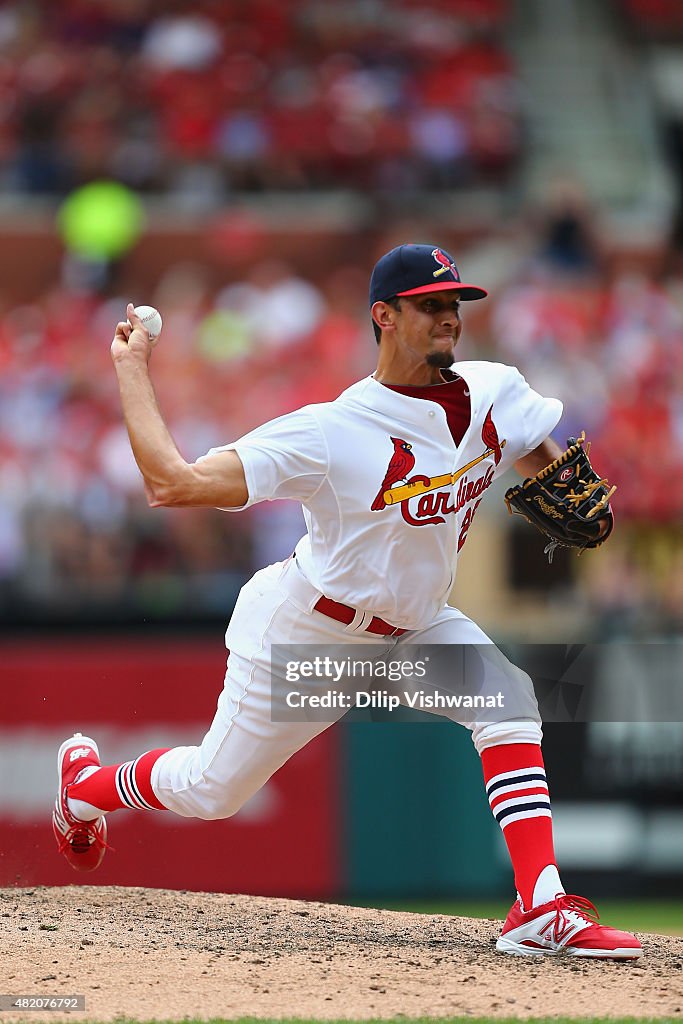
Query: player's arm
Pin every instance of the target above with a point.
(539, 458)
(169, 479)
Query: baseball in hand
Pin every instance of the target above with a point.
(151, 318)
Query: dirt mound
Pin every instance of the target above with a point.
(154, 954)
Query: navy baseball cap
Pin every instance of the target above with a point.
(415, 270)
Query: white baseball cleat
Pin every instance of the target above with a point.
(83, 843)
(566, 926)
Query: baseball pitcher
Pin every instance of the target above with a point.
(390, 476)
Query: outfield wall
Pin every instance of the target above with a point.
(133, 696)
(368, 810)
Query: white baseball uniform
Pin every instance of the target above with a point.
(395, 562)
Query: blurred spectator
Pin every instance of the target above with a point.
(655, 19)
(567, 229)
(99, 223)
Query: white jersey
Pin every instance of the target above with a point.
(388, 497)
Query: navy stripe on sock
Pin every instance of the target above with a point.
(515, 780)
(134, 786)
(121, 787)
(541, 805)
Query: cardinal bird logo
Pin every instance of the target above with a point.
(400, 466)
(489, 436)
(445, 264)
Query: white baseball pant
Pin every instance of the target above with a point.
(244, 746)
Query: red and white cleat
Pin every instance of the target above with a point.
(83, 843)
(566, 926)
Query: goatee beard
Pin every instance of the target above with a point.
(441, 360)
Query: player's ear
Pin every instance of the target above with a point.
(383, 314)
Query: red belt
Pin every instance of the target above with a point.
(344, 613)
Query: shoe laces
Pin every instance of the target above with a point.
(566, 902)
(81, 837)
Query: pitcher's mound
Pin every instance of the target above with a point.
(154, 954)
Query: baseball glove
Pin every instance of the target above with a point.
(567, 501)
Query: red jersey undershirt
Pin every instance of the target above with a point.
(452, 396)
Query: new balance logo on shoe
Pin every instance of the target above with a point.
(557, 930)
(79, 752)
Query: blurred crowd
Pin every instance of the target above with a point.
(199, 100)
(74, 523)
(195, 103)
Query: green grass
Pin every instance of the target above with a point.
(664, 918)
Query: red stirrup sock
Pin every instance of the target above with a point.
(518, 794)
(114, 786)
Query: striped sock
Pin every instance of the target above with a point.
(121, 785)
(517, 790)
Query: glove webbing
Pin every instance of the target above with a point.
(591, 486)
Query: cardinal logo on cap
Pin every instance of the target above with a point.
(445, 264)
